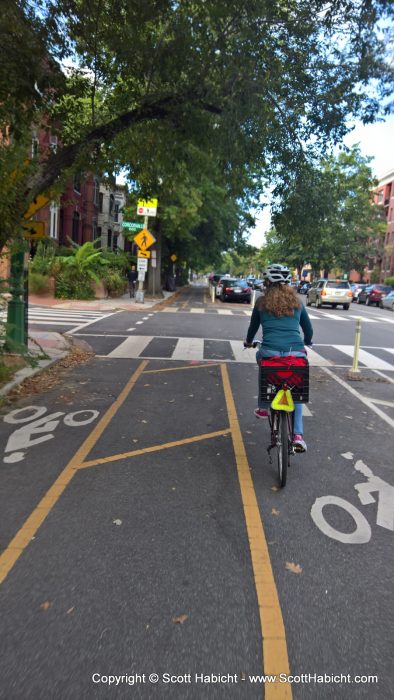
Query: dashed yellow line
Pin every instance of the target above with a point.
(153, 448)
(275, 657)
(29, 528)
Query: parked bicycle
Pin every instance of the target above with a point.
(282, 381)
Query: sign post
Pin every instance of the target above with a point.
(144, 239)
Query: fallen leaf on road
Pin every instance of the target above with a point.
(117, 522)
(144, 421)
(70, 610)
(180, 620)
(46, 605)
(274, 511)
(274, 488)
(294, 568)
(135, 440)
(171, 401)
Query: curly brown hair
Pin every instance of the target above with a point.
(279, 300)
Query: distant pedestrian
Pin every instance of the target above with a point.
(132, 276)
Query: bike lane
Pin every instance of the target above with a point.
(136, 560)
(330, 535)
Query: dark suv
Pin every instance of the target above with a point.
(374, 294)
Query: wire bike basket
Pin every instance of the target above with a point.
(275, 372)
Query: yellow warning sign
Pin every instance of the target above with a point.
(143, 253)
(283, 401)
(33, 230)
(38, 203)
(144, 239)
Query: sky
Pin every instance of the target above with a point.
(376, 140)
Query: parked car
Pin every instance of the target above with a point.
(235, 290)
(387, 302)
(214, 279)
(219, 285)
(257, 284)
(331, 292)
(357, 289)
(303, 287)
(374, 294)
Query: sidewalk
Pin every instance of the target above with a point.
(123, 303)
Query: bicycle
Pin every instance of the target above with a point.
(282, 381)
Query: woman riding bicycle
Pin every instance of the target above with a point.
(280, 315)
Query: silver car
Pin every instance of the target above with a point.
(387, 302)
(331, 292)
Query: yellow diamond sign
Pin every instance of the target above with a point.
(144, 239)
(38, 203)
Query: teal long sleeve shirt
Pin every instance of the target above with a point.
(281, 332)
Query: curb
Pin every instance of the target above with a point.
(27, 372)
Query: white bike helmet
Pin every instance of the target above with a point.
(279, 274)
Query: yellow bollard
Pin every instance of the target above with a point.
(356, 346)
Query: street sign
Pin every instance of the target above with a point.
(173, 257)
(33, 230)
(38, 203)
(142, 264)
(144, 239)
(133, 225)
(143, 254)
(147, 207)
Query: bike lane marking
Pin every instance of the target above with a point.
(20, 541)
(363, 399)
(275, 656)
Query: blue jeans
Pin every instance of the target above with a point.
(267, 352)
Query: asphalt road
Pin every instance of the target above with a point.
(142, 530)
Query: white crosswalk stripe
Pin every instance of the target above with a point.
(318, 315)
(198, 349)
(73, 319)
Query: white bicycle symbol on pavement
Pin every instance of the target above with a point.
(362, 534)
(37, 428)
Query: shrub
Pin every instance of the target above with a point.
(43, 259)
(72, 284)
(114, 282)
(117, 260)
(38, 283)
(390, 281)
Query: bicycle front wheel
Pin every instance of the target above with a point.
(283, 447)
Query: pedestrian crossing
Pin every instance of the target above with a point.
(319, 316)
(211, 349)
(57, 319)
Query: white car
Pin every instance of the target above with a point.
(387, 302)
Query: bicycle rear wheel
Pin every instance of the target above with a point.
(283, 447)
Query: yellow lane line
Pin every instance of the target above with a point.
(29, 528)
(153, 448)
(174, 369)
(275, 657)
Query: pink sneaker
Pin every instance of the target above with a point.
(299, 443)
(261, 413)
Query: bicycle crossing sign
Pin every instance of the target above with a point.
(144, 239)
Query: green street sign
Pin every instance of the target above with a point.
(133, 225)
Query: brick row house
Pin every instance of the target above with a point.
(384, 195)
(86, 210)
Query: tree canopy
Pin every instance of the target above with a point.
(239, 91)
(326, 218)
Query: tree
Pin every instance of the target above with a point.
(247, 81)
(327, 217)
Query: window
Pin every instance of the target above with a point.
(53, 212)
(94, 229)
(115, 245)
(98, 231)
(75, 228)
(53, 143)
(34, 147)
(77, 182)
(380, 197)
(101, 198)
(111, 204)
(96, 192)
(109, 239)
(116, 212)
